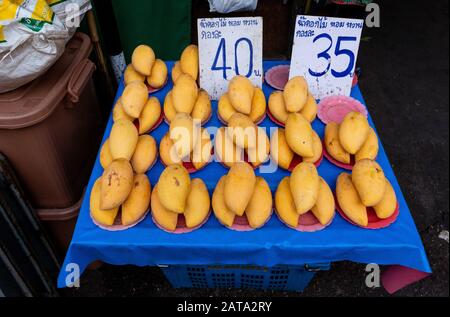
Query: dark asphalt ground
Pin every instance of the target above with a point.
(405, 80)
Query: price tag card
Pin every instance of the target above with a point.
(229, 47)
(324, 52)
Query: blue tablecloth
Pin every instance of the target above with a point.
(271, 245)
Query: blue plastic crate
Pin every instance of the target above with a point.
(281, 278)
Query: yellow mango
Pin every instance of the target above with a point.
(317, 149)
(184, 134)
(144, 154)
(225, 150)
(143, 59)
(304, 182)
(259, 207)
(104, 217)
(280, 151)
(189, 61)
(239, 186)
(138, 201)
(284, 203)
(201, 155)
(134, 98)
(123, 139)
(240, 92)
(164, 217)
(309, 111)
(173, 188)
(299, 135)
(353, 131)
(258, 105)
(149, 115)
(119, 113)
(167, 151)
(184, 93)
(117, 181)
(105, 155)
(333, 145)
(295, 94)
(176, 71)
(169, 109)
(277, 107)
(260, 153)
(159, 74)
(386, 207)
(202, 107)
(221, 211)
(324, 207)
(242, 130)
(349, 200)
(130, 75)
(224, 109)
(369, 149)
(369, 180)
(197, 204)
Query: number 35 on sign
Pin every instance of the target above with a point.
(324, 52)
(229, 47)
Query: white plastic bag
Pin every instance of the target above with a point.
(33, 37)
(227, 6)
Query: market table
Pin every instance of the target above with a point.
(271, 245)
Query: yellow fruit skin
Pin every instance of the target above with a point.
(123, 139)
(189, 61)
(221, 211)
(277, 107)
(260, 153)
(167, 151)
(132, 75)
(184, 94)
(134, 98)
(184, 134)
(201, 154)
(224, 108)
(169, 109)
(386, 207)
(173, 188)
(304, 182)
(149, 115)
(299, 135)
(317, 149)
(333, 145)
(353, 131)
(369, 180)
(119, 113)
(225, 150)
(117, 181)
(202, 107)
(143, 59)
(138, 201)
(369, 149)
(309, 111)
(164, 217)
(259, 207)
(242, 130)
(176, 71)
(104, 217)
(159, 74)
(239, 186)
(295, 94)
(325, 206)
(280, 151)
(349, 200)
(105, 155)
(240, 92)
(258, 105)
(284, 203)
(197, 204)
(144, 154)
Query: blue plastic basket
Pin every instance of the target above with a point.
(281, 278)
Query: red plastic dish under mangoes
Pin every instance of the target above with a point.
(328, 156)
(156, 125)
(117, 225)
(306, 222)
(181, 225)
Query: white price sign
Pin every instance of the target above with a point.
(229, 47)
(324, 52)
